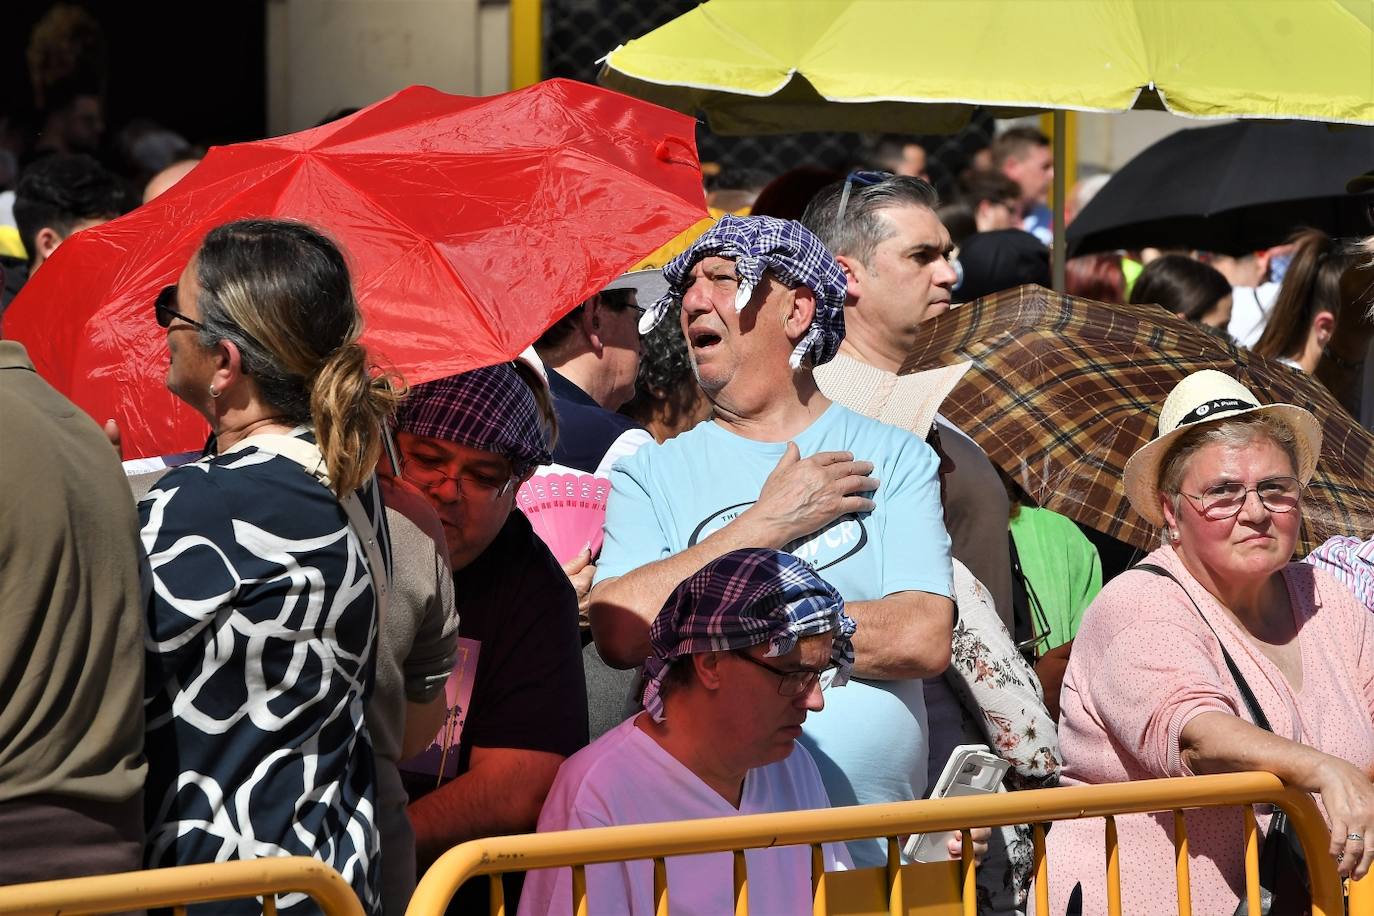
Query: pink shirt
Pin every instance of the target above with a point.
(1143, 665)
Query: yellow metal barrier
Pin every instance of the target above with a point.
(943, 889)
(188, 884)
(1361, 900)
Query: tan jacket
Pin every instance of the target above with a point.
(71, 605)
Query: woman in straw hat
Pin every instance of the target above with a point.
(1149, 690)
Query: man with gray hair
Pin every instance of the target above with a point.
(894, 252)
(780, 466)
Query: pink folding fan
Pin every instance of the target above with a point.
(566, 511)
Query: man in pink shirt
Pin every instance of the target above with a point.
(741, 652)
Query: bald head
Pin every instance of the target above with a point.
(163, 180)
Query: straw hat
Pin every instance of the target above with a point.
(1204, 397)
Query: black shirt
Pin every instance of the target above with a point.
(586, 430)
(518, 612)
(517, 604)
(14, 271)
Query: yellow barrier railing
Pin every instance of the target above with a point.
(178, 887)
(578, 848)
(1361, 899)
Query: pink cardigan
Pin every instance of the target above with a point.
(1143, 665)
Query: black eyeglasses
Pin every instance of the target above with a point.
(429, 475)
(628, 307)
(621, 303)
(863, 178)
(162, 308)
(793, 683)
(1277, 494)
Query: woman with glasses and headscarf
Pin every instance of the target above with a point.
(1181, 661)
(269, 564)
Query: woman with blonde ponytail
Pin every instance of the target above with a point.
(270, 560)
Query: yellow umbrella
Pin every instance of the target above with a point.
(677, 244)
(773, 66)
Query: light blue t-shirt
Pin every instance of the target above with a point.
(870, 740)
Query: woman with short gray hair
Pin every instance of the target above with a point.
(1217, 654)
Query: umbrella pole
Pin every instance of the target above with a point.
(526, 43)
(1057, 248)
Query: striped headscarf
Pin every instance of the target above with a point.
(491, 409)
(786, 249)
(742, 599)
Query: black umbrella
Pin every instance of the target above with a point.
(1231, 188)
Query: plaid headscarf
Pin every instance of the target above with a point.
(491, 409)
(783, 247)
(742, 599)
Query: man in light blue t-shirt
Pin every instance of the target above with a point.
(781, 466)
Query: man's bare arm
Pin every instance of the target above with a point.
(423, 721)
(800, 497)
(622, 608)
(501, 793)
(905, 635)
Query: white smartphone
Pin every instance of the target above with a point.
(972, 769)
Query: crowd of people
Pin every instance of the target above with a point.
(813, 586)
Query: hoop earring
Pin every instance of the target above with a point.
(213, 392)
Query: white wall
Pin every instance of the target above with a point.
(323, 55)
(1112, 140)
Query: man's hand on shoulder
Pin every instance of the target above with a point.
(800, 497)
(803, 495)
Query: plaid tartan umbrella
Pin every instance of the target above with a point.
(1064, 390)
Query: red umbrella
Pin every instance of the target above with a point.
(470, 224)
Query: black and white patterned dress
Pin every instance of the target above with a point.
(262, 627)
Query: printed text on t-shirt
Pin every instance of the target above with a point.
(839, 540)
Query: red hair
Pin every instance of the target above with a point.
(1097, 277)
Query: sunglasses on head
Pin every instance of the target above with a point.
(163, 309)
(862, 178)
